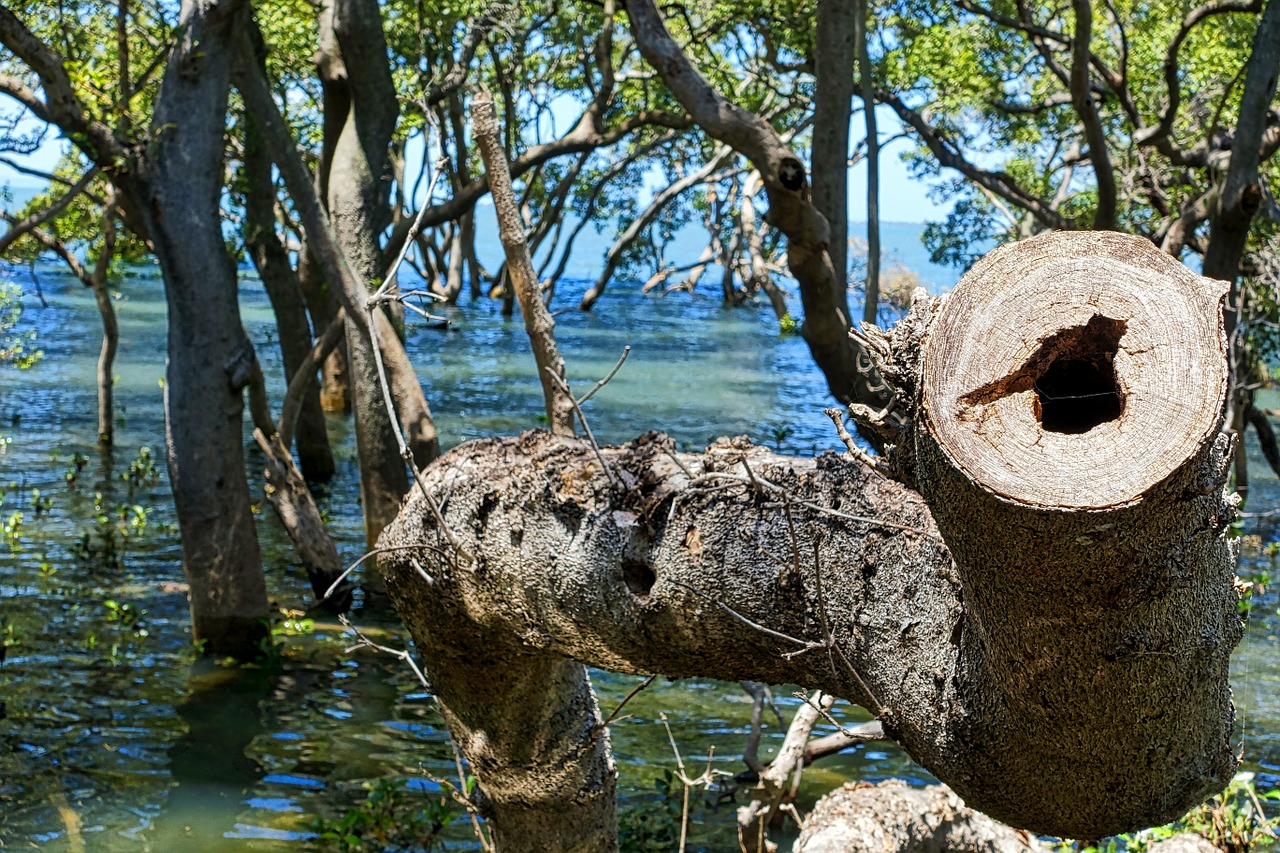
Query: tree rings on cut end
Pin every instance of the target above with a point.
(1076, 370)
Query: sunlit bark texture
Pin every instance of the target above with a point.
(1045, 624)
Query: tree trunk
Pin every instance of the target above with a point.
(322, 306)
(106, 364)
(98, 283)
(538, 322)
(209, 356)
(866, 90)
(1082, 632)
(1242, 194)
(833, 57)
(280, 281)
(358, 192)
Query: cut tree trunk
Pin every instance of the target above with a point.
(1059, 412)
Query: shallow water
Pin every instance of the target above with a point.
(114, 736)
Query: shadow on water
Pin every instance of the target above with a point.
(210, 764)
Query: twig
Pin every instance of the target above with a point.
(626, 351)
(875, 464)
(773, 487)
(405, 453)
(417, 224)
(365, 642)
(625, 699)
(476, 828)
(807, 645)
(829, 637)
(372, 553)
(564, 386)
(826, 715)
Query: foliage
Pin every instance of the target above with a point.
(15, 346)
(655, 826)
(1234, 821)
(392, 817)
(114, 527)
(142, 471)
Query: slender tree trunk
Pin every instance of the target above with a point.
(537, 319)
(866, 89)
(110, 327)
(106, 365)
(834, 52)
(358, 191)
(322, 306)
(281, 283)
(760, 275)
(210, 359)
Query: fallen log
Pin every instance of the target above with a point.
(1061, 662)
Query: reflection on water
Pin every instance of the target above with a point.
(113, 735)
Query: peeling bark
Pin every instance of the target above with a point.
(1082, 632)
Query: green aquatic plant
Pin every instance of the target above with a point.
(15, 347)
(142, 471)
(391, 818)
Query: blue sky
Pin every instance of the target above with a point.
(902, 199)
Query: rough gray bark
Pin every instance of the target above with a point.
(209, 355)
(538, 322)
(1082, 633)
(357, 74)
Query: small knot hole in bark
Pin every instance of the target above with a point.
(1077, 389)
(638, 577)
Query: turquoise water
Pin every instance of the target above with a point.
(113, 736)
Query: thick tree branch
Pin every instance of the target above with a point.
(1000, 183)
(1158, 135)
(35, 220)
(60, 104)
(791, 210)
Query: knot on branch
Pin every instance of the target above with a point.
(791, 174)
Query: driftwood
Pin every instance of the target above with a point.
(892, 818)
(1061, 662)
